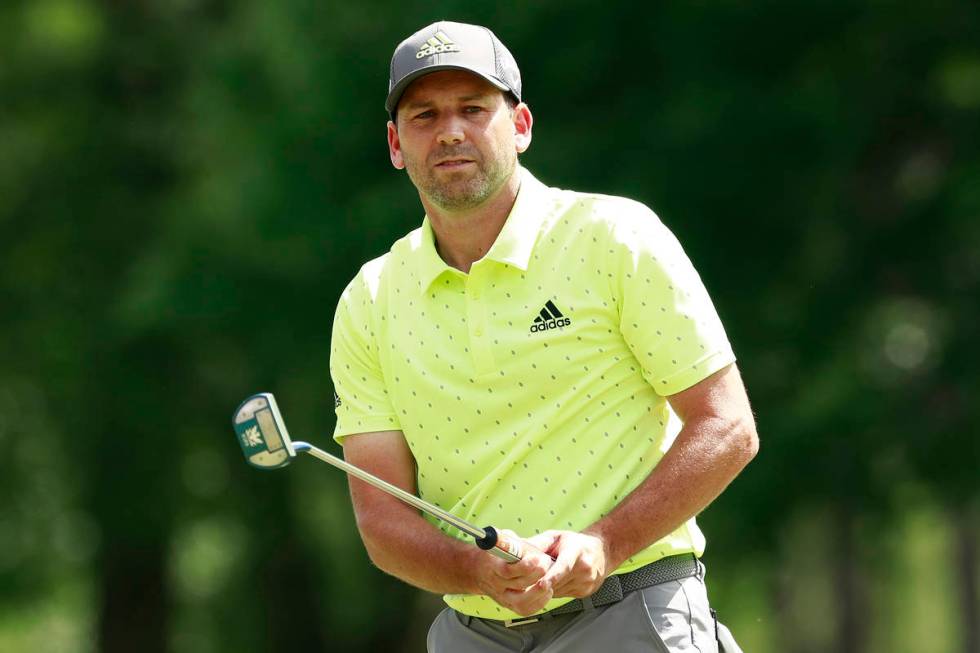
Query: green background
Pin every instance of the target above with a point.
(186, 186)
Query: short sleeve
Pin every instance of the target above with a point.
(666, 315)
(361, 398)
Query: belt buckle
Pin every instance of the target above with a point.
(510, 623)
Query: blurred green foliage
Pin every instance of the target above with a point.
(186, 187)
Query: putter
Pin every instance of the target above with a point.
(265, 442)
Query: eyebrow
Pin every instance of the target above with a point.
(419, 104)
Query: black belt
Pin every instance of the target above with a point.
(615, 587)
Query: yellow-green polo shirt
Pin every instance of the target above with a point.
(531, 390)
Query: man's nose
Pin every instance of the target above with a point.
(451, 132)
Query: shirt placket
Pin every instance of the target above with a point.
(477, 322)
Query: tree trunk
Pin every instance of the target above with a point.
(849, 580)
(294, 615)
(135, 610)
(965, 527)
(781, 592)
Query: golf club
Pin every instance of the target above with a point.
(265, 442)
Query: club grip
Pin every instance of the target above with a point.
(505, 548)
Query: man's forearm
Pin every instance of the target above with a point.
(408, 547)
(707, 454)
(404, 544)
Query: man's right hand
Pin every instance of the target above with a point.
(512, 585)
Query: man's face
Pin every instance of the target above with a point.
(458, 138)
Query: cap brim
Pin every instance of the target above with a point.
(396, 93)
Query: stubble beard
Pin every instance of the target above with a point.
(458, 193)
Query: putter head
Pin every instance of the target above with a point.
(262, 433)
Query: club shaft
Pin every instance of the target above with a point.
(395, 491)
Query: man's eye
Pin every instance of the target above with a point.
(425, 114)
(473, 109)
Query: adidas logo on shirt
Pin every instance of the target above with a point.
(436, 45)
(549, 318)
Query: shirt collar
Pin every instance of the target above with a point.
(514, 243)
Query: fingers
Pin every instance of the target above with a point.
(514, 585)
(555, 564)
(561, 568)
(527, 571)
(545, 541)
(579, 567)
(527, 601)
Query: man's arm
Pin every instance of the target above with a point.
(716, 442)
(404, 544)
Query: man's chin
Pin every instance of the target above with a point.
(460, 199)
(456, 176)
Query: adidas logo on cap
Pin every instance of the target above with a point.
(549, 318)
(436, 45)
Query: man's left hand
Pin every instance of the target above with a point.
(580, 562)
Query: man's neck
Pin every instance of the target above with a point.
(464, 237)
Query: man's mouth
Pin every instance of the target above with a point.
(453, 163)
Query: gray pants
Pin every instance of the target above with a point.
(672, 617)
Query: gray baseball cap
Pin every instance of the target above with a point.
(446, 45)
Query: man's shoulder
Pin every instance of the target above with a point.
(610, 223)
(375, 272)
(607, 212)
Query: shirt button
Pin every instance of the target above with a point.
(476, 294)
(478, 331)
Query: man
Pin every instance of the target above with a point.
(539, 359)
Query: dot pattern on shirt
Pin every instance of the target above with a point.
(531, 430)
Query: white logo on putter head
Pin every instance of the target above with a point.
(252, 436)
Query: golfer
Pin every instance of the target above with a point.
(538, 359)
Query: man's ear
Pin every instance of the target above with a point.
(395, 147)
(523, 120)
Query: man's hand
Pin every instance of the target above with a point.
(515, 586)
(580, 562)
